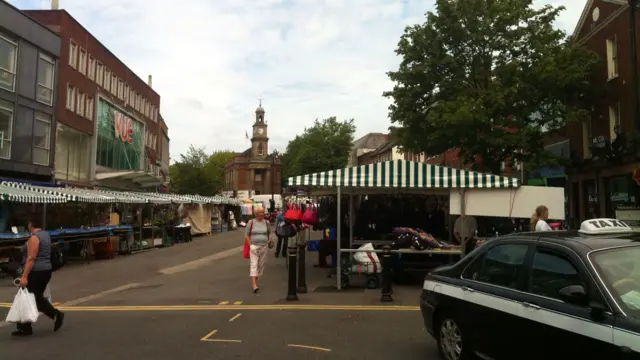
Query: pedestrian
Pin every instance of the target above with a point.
(464, 230)
(538, 219)
(258, 236)
(36, 262)
(281, 247)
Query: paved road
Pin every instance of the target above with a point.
(161, 304)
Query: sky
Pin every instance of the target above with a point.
(211, 60)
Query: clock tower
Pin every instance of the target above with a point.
(260, 140)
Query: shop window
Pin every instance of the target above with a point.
(622, 192)
(501, 265)
(72, 154)
(118, 150)
(8, 61)
(6, 127)
(592, 210)
(41, 139)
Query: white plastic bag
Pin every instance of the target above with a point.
(364, 257)
(24, 309)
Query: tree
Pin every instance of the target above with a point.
(489, 77)
(324, 146)
(199, 173)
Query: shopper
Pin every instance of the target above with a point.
(538, 219)
(258, 236)
(464, 231)
(281, 247)
(36, 261)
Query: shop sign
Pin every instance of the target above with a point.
(123, 127)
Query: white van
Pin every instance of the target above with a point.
(266, 200)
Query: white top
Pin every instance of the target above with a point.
(466, 226)
(542, 225)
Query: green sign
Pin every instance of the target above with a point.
(120, 138)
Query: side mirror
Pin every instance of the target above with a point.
(574, 294)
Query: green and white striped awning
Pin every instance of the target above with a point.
(15, 192)
(403, 174)
(71, 194)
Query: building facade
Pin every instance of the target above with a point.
(29, 60)
(254, 169)
(108, 127)
(601, 176)
(366, 144)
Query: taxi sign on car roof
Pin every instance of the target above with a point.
(604, 226)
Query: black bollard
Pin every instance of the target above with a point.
(291, 293)
(302, 274)
(387, 289)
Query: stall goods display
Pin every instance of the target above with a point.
(419, 240)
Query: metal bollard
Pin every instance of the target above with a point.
(302, 274)
(291, 293)
(387, 289)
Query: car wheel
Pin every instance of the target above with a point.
(452, 343)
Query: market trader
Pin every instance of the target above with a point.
(464, 231)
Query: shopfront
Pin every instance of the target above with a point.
(119, 139)
(622, 193)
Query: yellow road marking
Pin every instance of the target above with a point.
(237, 303)
(206, 337)
(235, 307)
(223, 303)
(308, 347)
(223, 340)
(235, 317)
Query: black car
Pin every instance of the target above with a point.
(540, 295)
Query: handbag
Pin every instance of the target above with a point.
(247, 248)
(293, 214)
(310, 216)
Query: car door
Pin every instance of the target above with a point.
(558, 329)
(626, 337)
(491, 297)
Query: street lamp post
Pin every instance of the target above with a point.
(633, 6)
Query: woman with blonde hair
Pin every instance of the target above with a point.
(258, 236)
(538, 219)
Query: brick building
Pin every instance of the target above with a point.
(108, 127)
(254, 169)
(598, 184)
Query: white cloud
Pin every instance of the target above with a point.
(212, 60)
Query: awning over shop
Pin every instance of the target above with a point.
(140, 178)
(70, 194)
(403, 174)
(15, 192)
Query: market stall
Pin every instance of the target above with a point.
(395, 177)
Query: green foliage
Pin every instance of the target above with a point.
(324, 146)
(199, 173)
(490, 77)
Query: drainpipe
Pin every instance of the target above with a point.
(633, 6)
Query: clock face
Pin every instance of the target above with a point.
(260, 131)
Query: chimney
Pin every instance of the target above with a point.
(150, 81)
(55, 4)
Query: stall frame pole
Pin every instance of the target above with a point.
(338, 236)
(351, 221)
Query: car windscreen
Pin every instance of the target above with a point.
(619, 268)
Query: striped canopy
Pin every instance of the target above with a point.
(403, 174)
(24, 195)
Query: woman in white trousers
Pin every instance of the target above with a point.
(258, 236)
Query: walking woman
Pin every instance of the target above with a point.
(36, 261)
(281, 246)
(538, 219)
(258, 236)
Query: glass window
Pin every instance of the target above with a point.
(500, 265)
(6, 126)
(73, 54)
(8, 60)
(72, 154)
(116, 150)
(71, 98)
(99, 73)
(620, 271)
(82, 65)
(551, 272)
(46, 73)
(41, 139)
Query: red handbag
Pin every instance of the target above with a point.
(293, 214)
(310, 216)
(247, 249)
